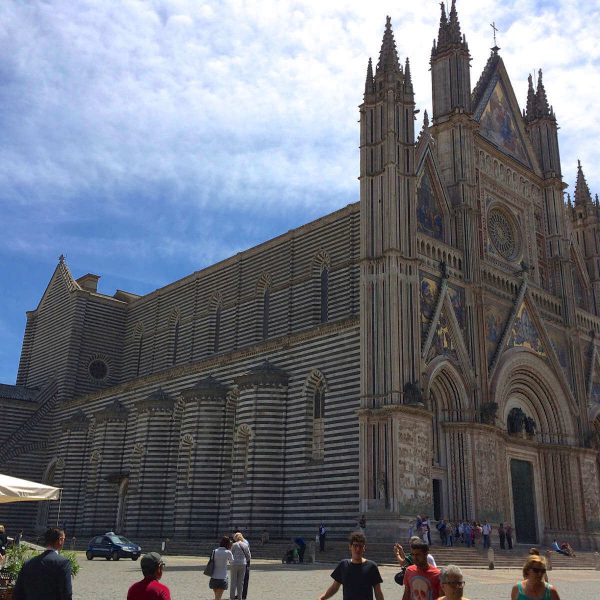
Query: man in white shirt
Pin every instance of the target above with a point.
(487, 531)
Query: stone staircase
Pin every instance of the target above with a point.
(381, 553)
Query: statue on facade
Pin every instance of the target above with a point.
(488, 412)
(382, 487)
(412, 394)
(530, 426)
(516, 420)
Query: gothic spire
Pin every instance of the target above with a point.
(530, 110)
(407, 77)
(542, 108)
(582, 191)
(388, 56)
(369, 80)
(455, 36)
(443, 31)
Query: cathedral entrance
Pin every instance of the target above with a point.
(521, 472)
(437, 499)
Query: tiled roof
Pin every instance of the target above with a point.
(17, 392)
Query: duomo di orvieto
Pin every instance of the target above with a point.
(433, 348)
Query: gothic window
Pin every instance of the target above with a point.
(175, 341)
(244, 435)
(504, 234)
(217, 329)
(324, 295)
(138, 347)
(315, 389)
(265, 313)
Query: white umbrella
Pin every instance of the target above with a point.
(21, 490)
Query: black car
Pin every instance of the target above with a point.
(110, 545)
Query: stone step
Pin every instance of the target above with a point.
(381, 553)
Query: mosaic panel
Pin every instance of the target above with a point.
(429, 216)
(498, 124)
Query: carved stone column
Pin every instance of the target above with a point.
(152, 480)
(204, 462)
(106, 469)
(258, 493)
(74, 450)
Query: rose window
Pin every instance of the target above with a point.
(503, 234)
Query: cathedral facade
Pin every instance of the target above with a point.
(432, 349)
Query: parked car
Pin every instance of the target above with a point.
(112, 546)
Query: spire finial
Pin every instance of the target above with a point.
(61, 259)
(582, 191)
(495, 30)
(530, 110)
(541, 101)
(388, 56)
(369, 79)
(425, 120)
(407, 77)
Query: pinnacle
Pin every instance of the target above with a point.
(407, 77)
(542, 108)
(388, 56)
(582, 191)
(530, 111)
(369, 80)
(449, 34)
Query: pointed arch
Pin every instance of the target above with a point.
(174, 330)
(524, 381)
(215, 309)
(138, 345)
(315, 391)
(263, 297)
(321, 266)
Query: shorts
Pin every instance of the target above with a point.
(218, 584)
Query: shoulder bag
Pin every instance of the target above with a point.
(210, 566)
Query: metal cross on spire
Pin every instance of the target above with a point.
(493, 26)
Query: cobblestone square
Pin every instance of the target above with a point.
(271, 580)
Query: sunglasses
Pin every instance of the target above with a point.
(538, 570)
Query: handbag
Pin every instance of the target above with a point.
(399, 577)
(210, 565)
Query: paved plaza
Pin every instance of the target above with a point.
(107, 580)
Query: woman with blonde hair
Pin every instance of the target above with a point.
(241, 556)
(533, 586)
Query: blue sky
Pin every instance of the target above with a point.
(146, 140)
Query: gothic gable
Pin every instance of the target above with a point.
(525, 329)
(500, 120)
(433, 213)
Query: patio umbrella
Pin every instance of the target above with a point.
(21, 490)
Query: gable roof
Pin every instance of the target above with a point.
(496, 109)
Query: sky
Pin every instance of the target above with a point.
(145, 140)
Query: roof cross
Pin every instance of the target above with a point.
(493, 26)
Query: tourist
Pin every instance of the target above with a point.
(247, 572)
(46, 576)
(299, 541)
(486, 530)
(426, 530)
(533, 586)
(450, 528)
(241, 555)
(221, 556)
(467, 533)
(442, 528)
(421, 580)
(565, 548)
(509, 531)
(150, 588)
(362, 523)
(3, 544)
(322, 535)
(477, 532)
(406, 560)
(359, 577)
(502, 536)
(452, 583)
(19, 538)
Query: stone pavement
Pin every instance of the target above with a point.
(107, 580)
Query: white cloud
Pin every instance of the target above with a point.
(124, 120)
